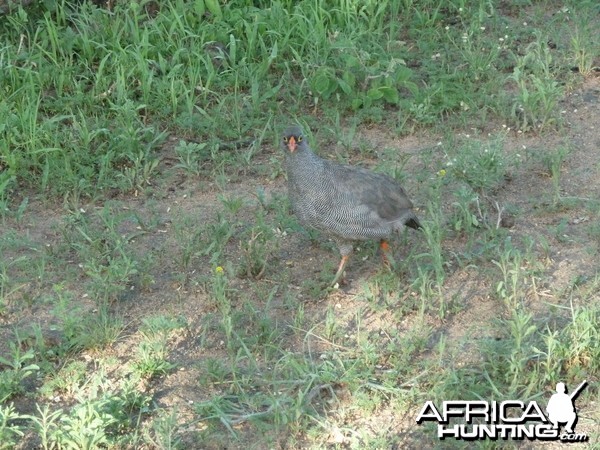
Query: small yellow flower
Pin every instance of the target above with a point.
(219, 270)
(442, 173)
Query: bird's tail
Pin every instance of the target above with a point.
(413, 222)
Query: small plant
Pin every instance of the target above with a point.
(232, 204)
(362, 84)
(278, 401)
(518, 271)
(189, 240)
(579, 353)
(151, 359)
(465, 217)
(98, 418)
(538, 92)
(111, 278)
(67, 380)
(10, 433)
(583, 54)
(161, 325)
(509, 289)
(584, 43)
(9, 284)
(99, 329)
(258, 245)
(152, 355)
(506, 361)
(106, 254)
(477, 50)
(482, 165)
(139, 171)
(85, 426)
(163, 431)
(331, 325)
(344, 137)
(434, 234)
(46, 423)
(191, 156)
(560, 230)
(217, 235)
(16, 370)
(221, 293)
(214, 371)
(554, 161)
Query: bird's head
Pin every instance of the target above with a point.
(293, 139)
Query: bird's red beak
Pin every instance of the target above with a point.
(292, 144)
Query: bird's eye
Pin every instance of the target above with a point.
(285, 139)
(299, 138)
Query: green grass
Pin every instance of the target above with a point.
(155, 289)
(116, 82)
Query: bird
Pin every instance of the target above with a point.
(343, 202)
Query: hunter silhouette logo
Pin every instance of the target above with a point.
(510, 419)
(561, 408)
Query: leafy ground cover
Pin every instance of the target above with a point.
(155, 290)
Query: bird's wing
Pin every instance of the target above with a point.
(380, 193)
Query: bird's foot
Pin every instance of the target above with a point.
(386, 255)
(338, 280)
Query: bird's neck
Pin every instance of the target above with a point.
(305, 155)
(303, 164)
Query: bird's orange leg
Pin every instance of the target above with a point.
(340, 270)
(386, 254)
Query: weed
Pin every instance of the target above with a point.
(46, 424)
(221, 293)
(99, 329)
(105, 253)
(289, 392)
(584, 43)
(139, 171)
(16, 371)
(97, 418)
(6, 290)
(84, 331)
(191, 156)
(560, 230)
(258, 245)
(67, 380)
(386, 290)
(477, 51)
(163, 432)
(465, 216)
(188, 238)
(538, 92)
(510, 287)
(10, 433)
(578, 349)
(217, 235)
(151, 360)
(554, 161)
(434, 236)
(214, 371)
(86, 426)
(331, 324)
(344, 137)
(161, 325)
(482, 165)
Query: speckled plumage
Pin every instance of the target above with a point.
(343, 202)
